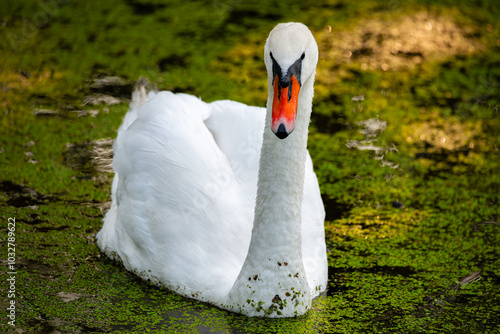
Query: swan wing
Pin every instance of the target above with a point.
(179, 216)
(313, 232)
(237, 130)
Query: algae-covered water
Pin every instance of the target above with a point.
(405, 138)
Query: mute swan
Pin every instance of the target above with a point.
(189, 210)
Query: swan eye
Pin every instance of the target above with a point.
(303, 56)
(276, 67)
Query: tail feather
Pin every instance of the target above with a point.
(139, 96)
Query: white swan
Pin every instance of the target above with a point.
(190, 211)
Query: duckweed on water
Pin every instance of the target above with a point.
(412, 207)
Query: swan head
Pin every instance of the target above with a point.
(291, 56)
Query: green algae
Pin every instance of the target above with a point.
(405, 225)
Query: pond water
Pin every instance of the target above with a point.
(405, 138)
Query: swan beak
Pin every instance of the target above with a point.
(285, 101)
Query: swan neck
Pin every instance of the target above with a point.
(281, 180)
(273, 270)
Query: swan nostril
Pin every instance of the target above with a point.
(281, 132)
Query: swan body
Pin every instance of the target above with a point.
(192, 208)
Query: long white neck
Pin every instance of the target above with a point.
(273, 278)
(280, 186)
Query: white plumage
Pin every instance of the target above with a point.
(186, 187)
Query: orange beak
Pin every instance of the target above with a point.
(285, 103)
